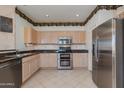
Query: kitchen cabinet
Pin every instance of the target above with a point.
(34, 36)
(25, 71)
(53, 36)
(82, 37)
(34, 65)
(30, 36)
(78, 37)
(80, 60)
(48, 60)
(39, 35)
(29, 66)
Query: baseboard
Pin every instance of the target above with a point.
(48, 68)
(79, 68)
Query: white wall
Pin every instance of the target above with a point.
(100, 17)
(7, 40)
(20, 25)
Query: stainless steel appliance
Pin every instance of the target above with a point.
(65, 40)
(108, 54)
(11, 74)
(64, 53)
(65, 58)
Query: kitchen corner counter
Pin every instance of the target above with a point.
(56, 51)
(7, 56)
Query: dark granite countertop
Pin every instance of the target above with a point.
(14, 57)
(54, 51)
(8, 56)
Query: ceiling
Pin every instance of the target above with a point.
(57, 13)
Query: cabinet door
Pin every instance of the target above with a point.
(25, 71)
(30, 35)
(39, 37)
(34, 36)
(48, 60)
(76, 37)
(29, 66)
(80, 59)
(34, 64)
(27, 35)
(37, 61)
(82, 37)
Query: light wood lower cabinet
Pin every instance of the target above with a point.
(34, 65)
(25, 71)
(80, 60)
(29, 66)
(48, 60)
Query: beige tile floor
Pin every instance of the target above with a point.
(60, 79)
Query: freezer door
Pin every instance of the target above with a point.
(104, 55)
(94, 63)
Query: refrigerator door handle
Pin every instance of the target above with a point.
(93, 48)
(96, 50)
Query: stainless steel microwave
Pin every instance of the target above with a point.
(65, 40)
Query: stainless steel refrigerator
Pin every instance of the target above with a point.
(108, 54)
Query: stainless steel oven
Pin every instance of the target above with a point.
(65, 60)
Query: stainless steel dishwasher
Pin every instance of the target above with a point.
(11, 74)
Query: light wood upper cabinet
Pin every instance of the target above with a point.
(52, 36)
(82, 37)
(30, 35)
(27, 35)
(36, 37)
(39, 35)
(78, 37)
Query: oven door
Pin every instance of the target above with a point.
(65, 60)
(64, 63)
(64, 56)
